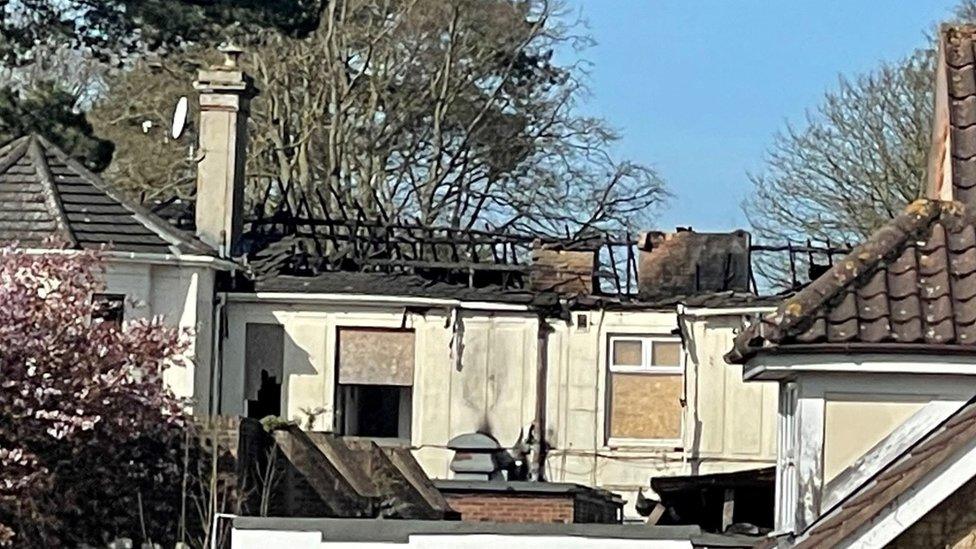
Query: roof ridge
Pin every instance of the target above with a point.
(153, 222)
(861, 260)
(51, 196)
(794, 313)
(13, 151)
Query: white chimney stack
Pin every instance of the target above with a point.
(225, 97)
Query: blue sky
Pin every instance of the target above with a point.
(699, 88)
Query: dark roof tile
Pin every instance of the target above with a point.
(46, 197)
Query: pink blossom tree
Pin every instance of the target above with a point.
(90, 439)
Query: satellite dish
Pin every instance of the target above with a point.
(179, 117)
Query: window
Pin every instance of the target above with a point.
(108, 308)
(375, 385)
(263, 369)
(645, 385)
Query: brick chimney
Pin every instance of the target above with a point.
(687, 263)
(225, 97)
(560, 270)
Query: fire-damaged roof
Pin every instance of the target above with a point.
(388, 284)
(46, 197)
(910, 286)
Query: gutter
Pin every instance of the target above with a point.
(180, 260)
(727, 311)
(332, 298)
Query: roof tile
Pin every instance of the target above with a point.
(45, 198)
(912, 282)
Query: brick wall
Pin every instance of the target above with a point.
(951, 523)
(593, 510)
(505, 508)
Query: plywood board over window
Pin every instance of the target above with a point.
(376, 356)
(645, 387)
(646, 406)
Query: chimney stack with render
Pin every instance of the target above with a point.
(225, 97)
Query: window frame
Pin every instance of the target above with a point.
(339, 393)
(645, 368)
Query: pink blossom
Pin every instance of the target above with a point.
(71, 387)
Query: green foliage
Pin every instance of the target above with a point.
(111, 30)
(49, 111)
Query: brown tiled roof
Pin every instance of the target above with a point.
(952, 171)
(866, 502)
(909, 286)
(46, 195)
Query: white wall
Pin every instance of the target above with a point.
(731, 424)
(488, 383)
(727, 425)
(843, 425)
(275, 539)
(183, 297)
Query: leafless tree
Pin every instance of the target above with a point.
(857, 160)
(449, 112)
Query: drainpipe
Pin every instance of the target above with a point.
(216, 360)
(693, 457)
(597, 443)
(541, 393)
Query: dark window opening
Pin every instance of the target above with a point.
(268, 402)
(108, 308)
(264, 369)
(378, 411)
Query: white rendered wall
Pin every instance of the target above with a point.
(273, 539)
(183, 297)
(488, 383)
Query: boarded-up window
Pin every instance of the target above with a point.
(645, 386)
(369, 356)
(628, 352)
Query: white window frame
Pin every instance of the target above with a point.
(645, 368)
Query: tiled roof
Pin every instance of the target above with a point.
(866, 502)
(911, 285)
(46, 195)
(952, 171)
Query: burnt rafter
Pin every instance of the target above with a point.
(289, 245)
(473, 257)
